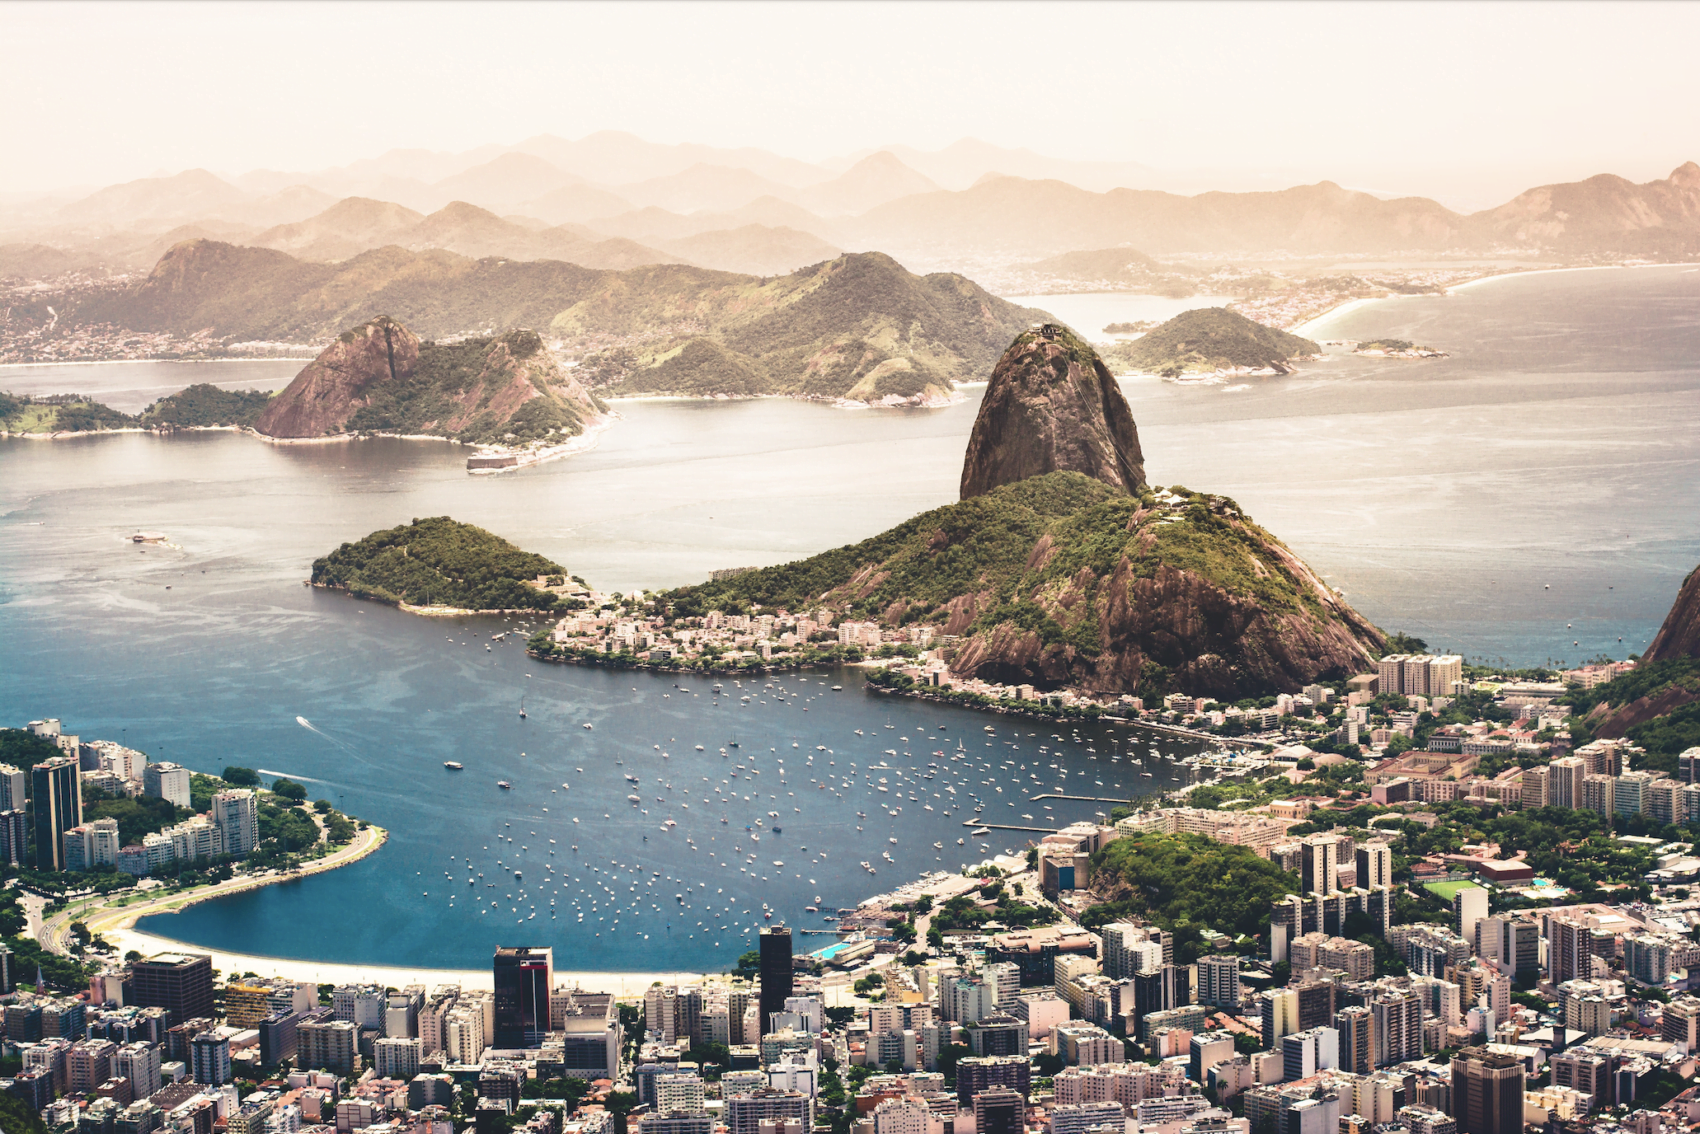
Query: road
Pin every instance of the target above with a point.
(100, 916)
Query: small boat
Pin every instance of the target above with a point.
(633, 799)
(981, 831)
(521, 703)
(838, 688)
(960, 842)
(587, 726)
(452, 765)
(504, 785)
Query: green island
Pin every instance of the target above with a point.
(438, 562)
(199, 406)
(1209, 339)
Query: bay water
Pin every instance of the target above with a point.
(1532, 498)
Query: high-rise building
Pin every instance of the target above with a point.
(1356, 1028)
(14, 788)
(14, 836)
(1681, 1021)
(180, 983)
(1487, 1092)
(1280, 1011)
(522, 977)
(1398, 1027)
(167, 781)
(58, 800)
(1469, 906)
(744, 1113)
(776, 972)
(210, 1057)
(1375, 865)
(236, 814)
(327, 1045)
(1219, 981)
(8, 973)
(1305, 1053)
(1319, 864)
(975, 1074)
(1565, 777)
(999, 1110)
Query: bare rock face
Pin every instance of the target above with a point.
(1679, 637)
(338, 383)
(1052, 406)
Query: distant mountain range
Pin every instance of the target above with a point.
(611, 200)
(857, 326)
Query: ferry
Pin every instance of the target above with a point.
(452, 765)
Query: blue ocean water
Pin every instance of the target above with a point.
(1558, 447)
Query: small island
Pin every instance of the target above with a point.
(1396, 348)
(1209, 344)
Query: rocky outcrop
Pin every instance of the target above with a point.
(321, 399)
(1052, 406)
(379, 378)
(1679, 637)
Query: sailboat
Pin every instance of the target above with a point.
(522, 708)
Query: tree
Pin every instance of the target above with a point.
(948, 1056)
(289, 789)
(241, 777)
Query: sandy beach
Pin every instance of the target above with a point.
(390, 976)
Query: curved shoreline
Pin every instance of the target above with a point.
(119, 920)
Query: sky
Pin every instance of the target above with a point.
(1469, 103)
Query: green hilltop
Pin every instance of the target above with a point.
(1210, 338)
(439, 562)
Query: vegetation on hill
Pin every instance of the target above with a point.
(439, 562)
(58, 413)
(204, 405)
(1655, 705)
(457, 388)
(22, 748)
(1186, 884)
(136, 817)
(1210, 338)
(1062, 579)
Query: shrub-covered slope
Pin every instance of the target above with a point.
(1064, 580)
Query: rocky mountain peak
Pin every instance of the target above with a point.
(335, 384)
(1052, 406)
(1679, 637)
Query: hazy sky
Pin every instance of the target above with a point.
(1468, 102)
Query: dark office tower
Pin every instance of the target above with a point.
(180, 983)
(57, 794)
(1487, 1092)
(999, 1110)
(775, 972)
(523, 977)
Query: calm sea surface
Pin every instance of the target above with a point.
(1559, 445)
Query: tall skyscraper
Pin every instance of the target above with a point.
(13, 788)
(14, 836)
(57, 793)
(775, 972)
(1487, 1092)
(523, 976)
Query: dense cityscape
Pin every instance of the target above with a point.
(1394, 954)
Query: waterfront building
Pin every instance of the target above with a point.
(180, 983)
(236, 814)
(57, 799)
(776, 973)
(167, 781)
(523, 982)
